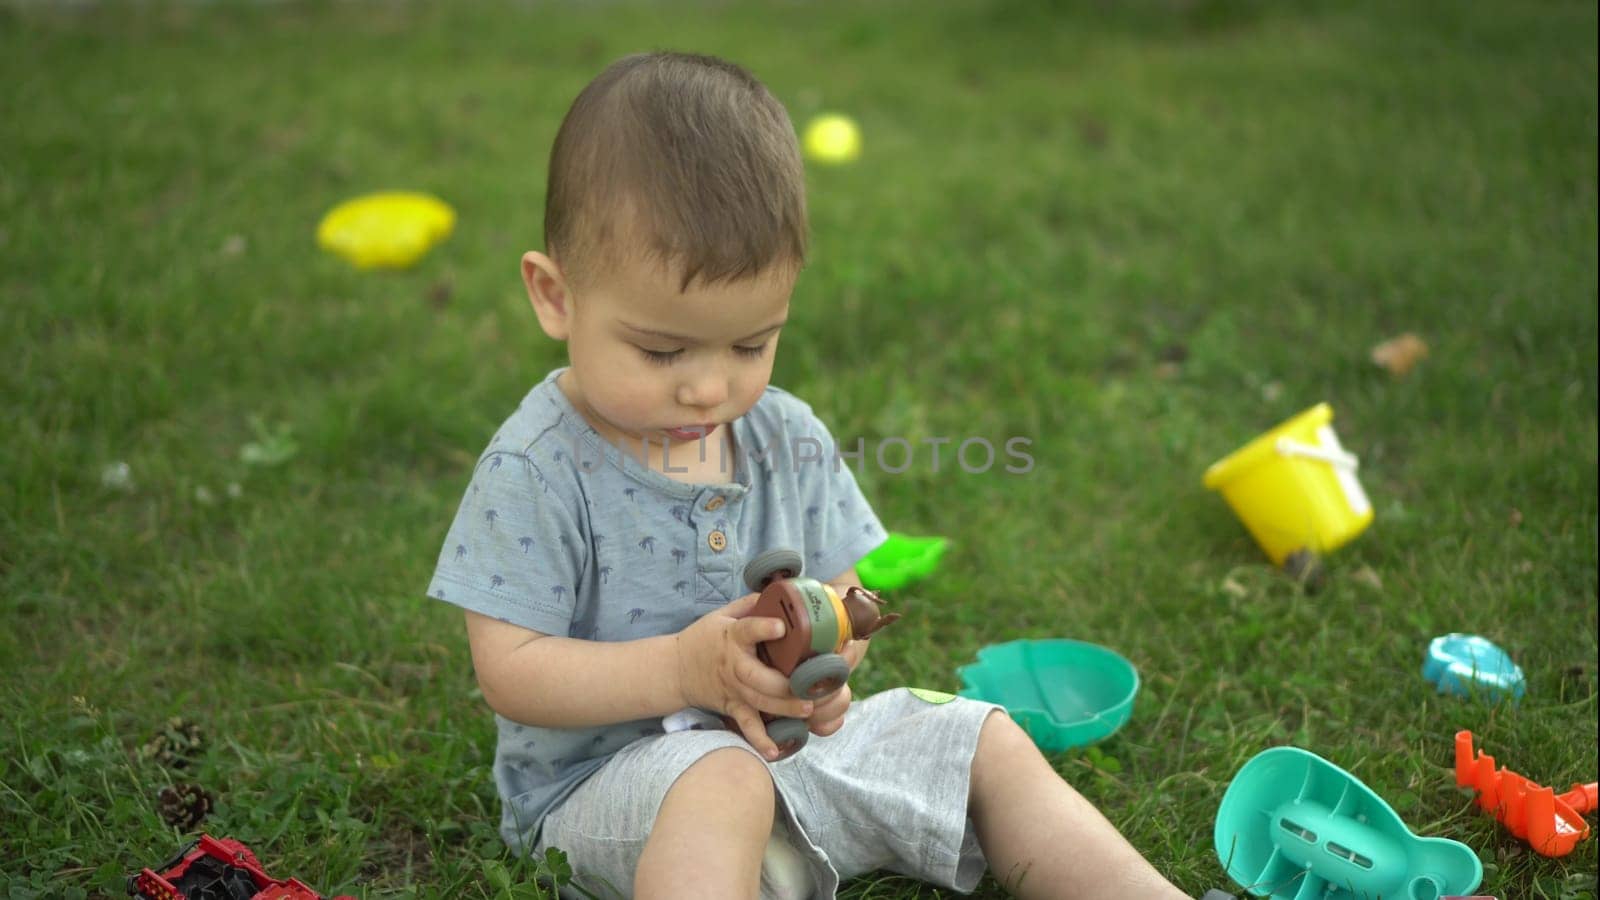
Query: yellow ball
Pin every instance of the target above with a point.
(833, 139)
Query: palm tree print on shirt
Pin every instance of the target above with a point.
(605, 572)
(648, 545)
(681, 587)
(558, 592)
(495, 581)
(461, 552)
(489, 516)
(678, 554)
(634, 614)
(526, 543)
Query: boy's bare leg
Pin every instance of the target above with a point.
(711, 830)
(1042, 839)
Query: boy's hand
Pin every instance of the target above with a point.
(828, 716)
(718, 670)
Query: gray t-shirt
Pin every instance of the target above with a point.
(562, 533)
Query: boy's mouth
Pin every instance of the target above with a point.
(690, 432)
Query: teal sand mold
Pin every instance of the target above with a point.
(1294, 826)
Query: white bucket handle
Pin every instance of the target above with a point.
(1336, 458)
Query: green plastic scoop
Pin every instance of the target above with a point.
(899, 561)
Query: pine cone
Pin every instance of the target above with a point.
(176, 746)
(184, 805)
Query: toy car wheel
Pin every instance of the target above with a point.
(819, 676)
(789, 734)
(770, 566)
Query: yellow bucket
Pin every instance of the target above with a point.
(1295, 487)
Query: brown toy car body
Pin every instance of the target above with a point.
(818, 622)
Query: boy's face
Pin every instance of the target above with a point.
(652, 363)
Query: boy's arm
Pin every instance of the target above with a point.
(558, 682)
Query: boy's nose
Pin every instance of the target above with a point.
(705, 392)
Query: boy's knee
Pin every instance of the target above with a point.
(1005, 758)
(734, 776)
(1000, 736)
(708, 838)
(1003, 747)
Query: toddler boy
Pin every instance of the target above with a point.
(599, 547)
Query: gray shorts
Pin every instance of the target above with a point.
(887, 791)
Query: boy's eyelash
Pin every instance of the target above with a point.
(661, 357)
(667, 357)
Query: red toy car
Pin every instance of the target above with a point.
(211, 869)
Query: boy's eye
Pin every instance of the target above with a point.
(661, 357)
(668, 357)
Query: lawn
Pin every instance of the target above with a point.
(1135, 234)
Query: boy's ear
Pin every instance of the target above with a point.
(547, 291)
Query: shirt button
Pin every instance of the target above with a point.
(717, 541)
(714, 504)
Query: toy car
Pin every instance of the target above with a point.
(212, 869)
(818, 623)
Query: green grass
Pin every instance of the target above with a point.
(1137, 233)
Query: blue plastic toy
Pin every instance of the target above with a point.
(1466, 664)
(1294, 826)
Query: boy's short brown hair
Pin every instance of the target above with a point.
(687, 158)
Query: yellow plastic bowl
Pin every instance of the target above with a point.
(1295, 487)
(389, 230)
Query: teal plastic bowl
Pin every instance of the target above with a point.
(1064, 693)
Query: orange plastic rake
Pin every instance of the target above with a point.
(1551, 823)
